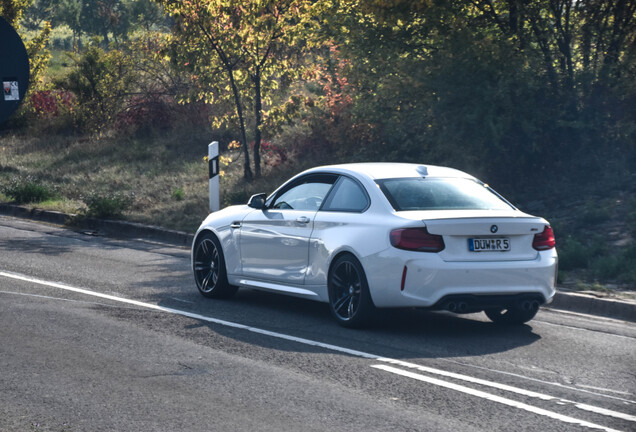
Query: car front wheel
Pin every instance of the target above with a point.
(209, 269)
(349, 299)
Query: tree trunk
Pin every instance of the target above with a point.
(258, 108)
(623, 15)
(247, 171)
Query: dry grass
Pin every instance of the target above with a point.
(165, 173)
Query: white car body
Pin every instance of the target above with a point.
(290, 251)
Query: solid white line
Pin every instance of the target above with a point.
(589, 330)
(594, 318)
(330, 347)
(493, 398)
(511, 389)
(606, 412)
(578, 388)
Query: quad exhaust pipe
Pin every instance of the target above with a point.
(457, 307)
(529, 305)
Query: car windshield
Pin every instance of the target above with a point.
(419, 193)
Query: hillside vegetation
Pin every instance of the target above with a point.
(536, 98)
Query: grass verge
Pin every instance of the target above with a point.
(160, 179)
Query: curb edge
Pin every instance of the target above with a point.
(108, 227)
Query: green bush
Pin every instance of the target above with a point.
(28, 190)
(111, 205)
(606, 267)
(575, 253)
(572, 255)
(178, 194)
(62, 38)
(99, 80)
(620, 267)
(595, 214)
(236, 197)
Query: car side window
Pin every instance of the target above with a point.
(306, 195)
(347, 196)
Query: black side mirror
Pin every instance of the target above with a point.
(257, 201)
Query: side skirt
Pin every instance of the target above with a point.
(291, 290)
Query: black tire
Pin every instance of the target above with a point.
(210, 274)
(349, 299)
(514, 315)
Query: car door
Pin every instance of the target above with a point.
(275, 241)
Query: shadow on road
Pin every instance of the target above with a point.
(161, 274)
(404, 333)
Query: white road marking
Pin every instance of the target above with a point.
(604, 411)
(578, 388)
(365, 355)
(582, 315)
(43, 296)
(493, 398)
(57, 298)
(589, 330)
(512, 389)
(605, 390)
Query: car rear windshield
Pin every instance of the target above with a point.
(440, 194)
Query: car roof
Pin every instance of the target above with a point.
(386, 170)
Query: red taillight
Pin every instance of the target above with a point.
(544, 240)
(416, 239)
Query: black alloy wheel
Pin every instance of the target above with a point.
(349, 299)
(209, 269)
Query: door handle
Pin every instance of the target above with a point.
(235, 225)
(303, 220)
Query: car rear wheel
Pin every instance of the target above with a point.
(516, 314)
(349, 299)
(209, 269)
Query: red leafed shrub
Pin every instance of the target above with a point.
(145, 111)
(336, 86)
(157, 111)
(272, 154)
(51, 103)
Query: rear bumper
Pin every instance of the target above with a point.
(431, 282)
(469, 303)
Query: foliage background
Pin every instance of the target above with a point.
(537, 98)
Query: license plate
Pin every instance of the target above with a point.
(499, 244)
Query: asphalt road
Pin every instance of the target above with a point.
(98, 334)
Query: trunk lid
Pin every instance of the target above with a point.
(484, 235)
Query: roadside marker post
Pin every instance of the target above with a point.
(213, 164)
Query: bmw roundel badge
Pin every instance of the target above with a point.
(494, 229)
